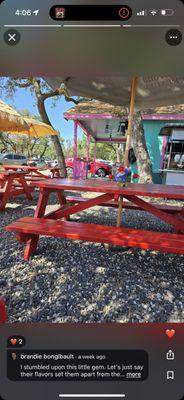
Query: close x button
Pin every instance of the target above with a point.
(12, 37)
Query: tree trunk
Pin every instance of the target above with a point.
(140, 149)
(119, 152)
(54, 138)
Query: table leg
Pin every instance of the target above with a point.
(62, 201)
(7, 193)
(61, 197)
(32, 243)
(25, 187)
(42, 203)
(172, 220)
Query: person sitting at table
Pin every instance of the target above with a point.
(177, 158)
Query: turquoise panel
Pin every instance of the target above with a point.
(154, 142)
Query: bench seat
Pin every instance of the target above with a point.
(128, 205)
(29, 228)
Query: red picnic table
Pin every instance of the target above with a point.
(34, 173)
(13, 184)
(3, 313)
(50, 224)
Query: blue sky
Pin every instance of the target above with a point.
(23, 99)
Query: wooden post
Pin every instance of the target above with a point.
(130, 120)
(120, 207)
(88, 146)
(75, 149)
(87, 152)
(95, 151)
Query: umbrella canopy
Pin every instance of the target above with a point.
(38, 129)
(150, 92)
(11, 120)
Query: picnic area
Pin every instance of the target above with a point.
(85, 248)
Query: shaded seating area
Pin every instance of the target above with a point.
(28, 230)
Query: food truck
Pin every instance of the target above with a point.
(172, 169)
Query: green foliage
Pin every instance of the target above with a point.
(104, 151)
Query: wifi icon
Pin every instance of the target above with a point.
(153, 12)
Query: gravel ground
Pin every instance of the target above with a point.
(69, 281)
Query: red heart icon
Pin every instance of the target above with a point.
(170, 333)
(13, 341)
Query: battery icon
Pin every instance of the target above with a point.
(167, 12)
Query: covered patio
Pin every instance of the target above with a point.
(101, 123)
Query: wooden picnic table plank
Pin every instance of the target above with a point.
(138, 189)
(49, 224)
(127, 204)
(173, 220)
(66, 210)
(60, 184)
(28, 228)
(38, 171)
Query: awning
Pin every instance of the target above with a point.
(168, 129)
(151, 91)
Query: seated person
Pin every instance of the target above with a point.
(177, 158)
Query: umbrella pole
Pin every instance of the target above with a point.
(29, 146)
(128, 141)
(130, 120)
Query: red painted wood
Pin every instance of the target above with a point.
(61, 197)
(128, 205)
(6, 194)
(33, 171)
(3, 313)
(172, 220)
(32, 243)
(167, 242)
(69, 210)
(42, 203)
(58, 214)
(62, 200)
(31, 247)
(101, 186)
(14, 185)
(25, 187)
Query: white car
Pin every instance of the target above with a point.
(13, 159)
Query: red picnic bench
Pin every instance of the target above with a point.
(34, 173)
(29, 229)
(13, 184)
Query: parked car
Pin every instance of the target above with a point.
(99, 167)
(13, 159)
